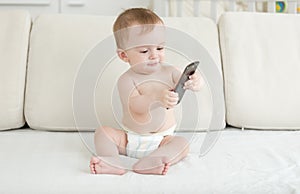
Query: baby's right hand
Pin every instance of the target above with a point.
(169, 99)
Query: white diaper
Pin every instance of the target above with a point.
(139, 146)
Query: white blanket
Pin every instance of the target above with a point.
(240, 162)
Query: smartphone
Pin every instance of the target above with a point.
(189, 70)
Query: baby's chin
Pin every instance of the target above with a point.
(147, 68)
(152, 67)
(154, 64)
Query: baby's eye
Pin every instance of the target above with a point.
(159, 48)
(143, 51)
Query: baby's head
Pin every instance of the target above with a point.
(132, 24)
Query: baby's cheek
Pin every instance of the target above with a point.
(162, 58)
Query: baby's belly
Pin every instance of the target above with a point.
(155, 123)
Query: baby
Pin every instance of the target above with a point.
(147, 101)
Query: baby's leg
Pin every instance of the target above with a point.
(109, 143)
(171, 150)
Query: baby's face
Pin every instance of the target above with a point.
(143, 47)
(146, 59)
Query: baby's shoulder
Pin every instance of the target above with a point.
(126, 79)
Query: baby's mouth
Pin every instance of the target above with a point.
(153, 63)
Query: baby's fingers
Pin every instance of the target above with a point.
(188, 84)
(195, 77)
(172, 94)
(171, 100)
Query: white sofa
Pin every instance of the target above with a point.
(53, 96)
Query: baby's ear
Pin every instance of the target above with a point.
(122, 55)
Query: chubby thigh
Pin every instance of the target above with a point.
(108, 137)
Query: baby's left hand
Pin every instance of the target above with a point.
(195, 82)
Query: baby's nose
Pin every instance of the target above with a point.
(153, 55)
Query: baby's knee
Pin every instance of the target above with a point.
(100, 130)
(181, 140)
(103, 131)
(185, 144)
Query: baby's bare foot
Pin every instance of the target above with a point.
(166, 168)
(152, 165)
(98, 166)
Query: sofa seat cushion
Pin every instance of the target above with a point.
(14, 37)
(240, 162)
(261, 64)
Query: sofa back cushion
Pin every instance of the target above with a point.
(14, 36)
(71, 53)
(58, 44)
(261, 63)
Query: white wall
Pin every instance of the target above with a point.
(99, 7)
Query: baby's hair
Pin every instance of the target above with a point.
(134, 16)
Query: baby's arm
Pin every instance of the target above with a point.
(130, 97)
(169, 99)
(141, 104)
(133, 100)
(143, 111)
